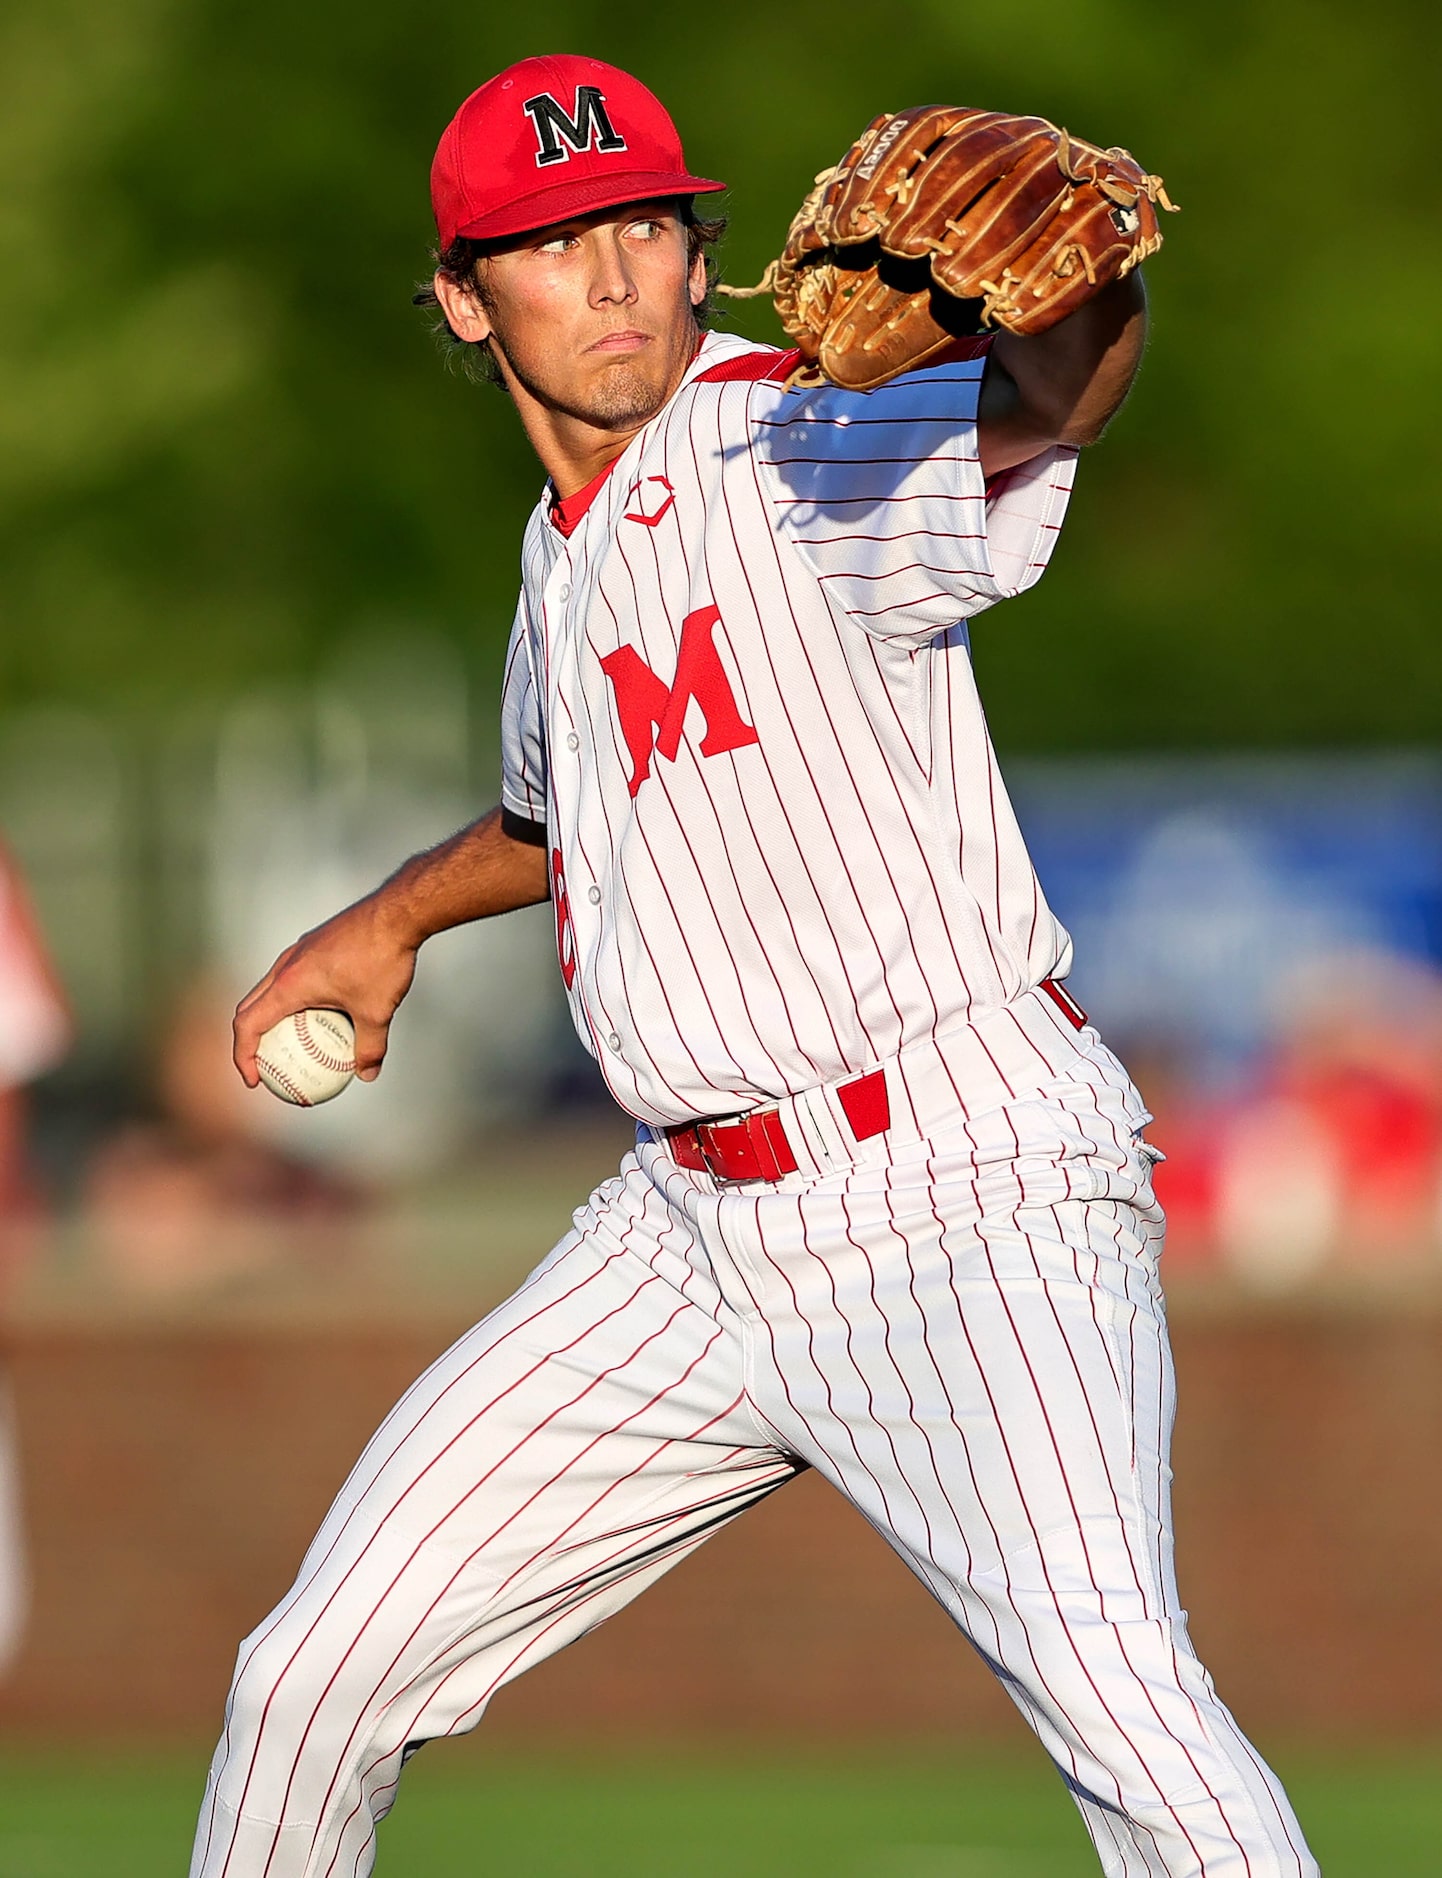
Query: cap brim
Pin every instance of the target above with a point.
(583, 196)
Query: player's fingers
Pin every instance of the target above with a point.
(247, 1032)
(372, 1035)
(256, 991)
(259, 989)
(253, 1018)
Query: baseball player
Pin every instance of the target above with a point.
(889, 1212)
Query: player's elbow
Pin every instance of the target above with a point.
(1085, 427)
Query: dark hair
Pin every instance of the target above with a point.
(459, 262)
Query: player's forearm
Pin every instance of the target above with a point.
(479, 872)
(362, 960)
(1063, 386)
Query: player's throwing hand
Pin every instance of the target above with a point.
(358, 962)
(362, 961)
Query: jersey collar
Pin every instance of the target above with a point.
(715, 349)
(565, 516)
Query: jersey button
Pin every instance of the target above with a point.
(573, 742)
(614, 1041)
(563, 592)
(593, 894)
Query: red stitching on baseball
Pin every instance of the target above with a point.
(277, 1074)
(341, 1065)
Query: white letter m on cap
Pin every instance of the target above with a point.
(554, 130)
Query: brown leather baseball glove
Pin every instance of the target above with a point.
(940, 222)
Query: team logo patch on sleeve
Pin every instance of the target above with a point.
(560, 136)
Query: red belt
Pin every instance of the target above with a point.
(754, 1146)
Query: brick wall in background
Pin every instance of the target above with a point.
(175, 1475)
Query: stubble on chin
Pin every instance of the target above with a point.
(623, 396)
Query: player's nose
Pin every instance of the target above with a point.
(612, 281)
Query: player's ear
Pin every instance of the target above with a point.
(696, 277)
(465, 315)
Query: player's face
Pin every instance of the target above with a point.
(592, 318)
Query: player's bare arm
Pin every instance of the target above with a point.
(1062, 386)
(363, 960)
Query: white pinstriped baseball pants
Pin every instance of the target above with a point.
(967, 1338)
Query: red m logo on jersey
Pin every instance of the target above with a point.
(652, 716)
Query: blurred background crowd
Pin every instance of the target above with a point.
(260, 548)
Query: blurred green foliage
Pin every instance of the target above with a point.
(909, 1810)
(226, 438)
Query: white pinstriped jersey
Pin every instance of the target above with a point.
(740, 697)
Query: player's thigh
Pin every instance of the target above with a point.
(586, 1417)
(560, 1457)
(970, 1340)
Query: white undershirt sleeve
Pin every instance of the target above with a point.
(882, 494)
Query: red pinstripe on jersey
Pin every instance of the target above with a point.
(754, 915)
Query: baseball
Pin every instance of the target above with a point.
(307, 1058)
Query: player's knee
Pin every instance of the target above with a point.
(273, 1692)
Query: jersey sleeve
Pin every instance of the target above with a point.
(523, 740)
(882, 494)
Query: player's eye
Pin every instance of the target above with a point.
(558, 244)
(646, 230)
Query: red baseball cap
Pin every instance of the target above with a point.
(551, 138)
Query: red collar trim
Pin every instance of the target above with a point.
(566, 515)
(751, 368)
(743, 367)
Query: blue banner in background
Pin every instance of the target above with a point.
(1196, 890)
